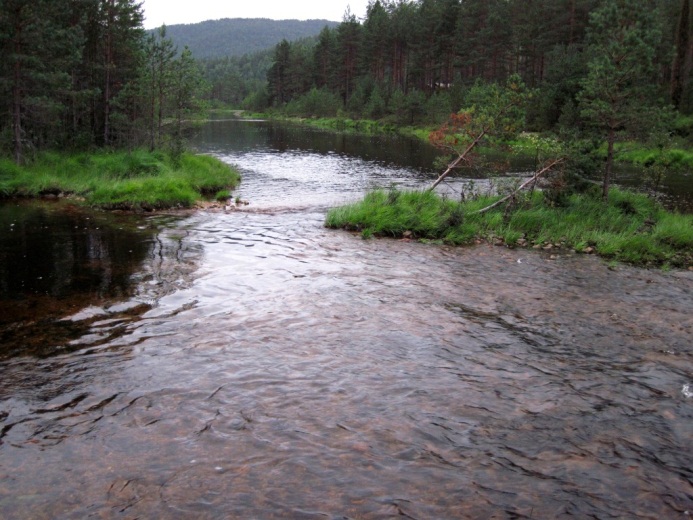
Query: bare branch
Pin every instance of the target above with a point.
(454, 164)
(534, 179)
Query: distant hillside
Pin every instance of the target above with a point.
(239, 36)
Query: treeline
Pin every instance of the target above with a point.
(241, 80)
(413, 61)
(77, 74)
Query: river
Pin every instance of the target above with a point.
(252, 364)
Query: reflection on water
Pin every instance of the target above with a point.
(382, 160)
(56, 259)
(289, 371)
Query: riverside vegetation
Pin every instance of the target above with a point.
(120, 180)
(86, 79)
(571, 212)
(630, 227)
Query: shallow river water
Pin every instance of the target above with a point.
(260, 366)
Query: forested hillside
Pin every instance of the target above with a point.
(236, 36)
(413, 61)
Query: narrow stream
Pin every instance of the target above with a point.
(261, 366)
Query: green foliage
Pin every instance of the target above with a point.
(618, 92)
(630, 228)
(500, 107)
(376, 106)
(82, 74)
(316, 103)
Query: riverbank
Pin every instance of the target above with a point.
(137, 180)
(634, 154)
(630, 228)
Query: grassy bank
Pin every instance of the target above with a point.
(119, 180)
(630, 228)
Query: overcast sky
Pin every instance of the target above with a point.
(172, 12)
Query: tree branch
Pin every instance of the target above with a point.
(457, 161)
(534, 178)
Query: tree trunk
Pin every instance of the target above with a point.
(609, 163)
(108, 58)
(677, 68)
(17, 100)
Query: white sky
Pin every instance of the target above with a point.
(172, 12)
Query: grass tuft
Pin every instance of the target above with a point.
(630, 228)
(122, 180)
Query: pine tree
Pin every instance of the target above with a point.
(375, 41)
(348, 49)
(186, 90)
(158, 77)
(277, 77)
(618, 95)
(324, 58)
(119, 38)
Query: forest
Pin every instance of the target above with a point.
(413, 61)
(84, 74)
(230, 37)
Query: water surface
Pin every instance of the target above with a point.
(270, 368)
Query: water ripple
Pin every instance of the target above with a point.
(315, 374)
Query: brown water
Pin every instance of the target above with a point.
(265, 367)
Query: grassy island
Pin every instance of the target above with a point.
(120, 180)
(630, 228)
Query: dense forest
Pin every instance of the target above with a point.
(78, 74)
(231, 37)
(84, 73)
(413, 61)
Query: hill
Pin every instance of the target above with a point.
(239, 36)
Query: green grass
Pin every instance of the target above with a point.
(629, 228)
(641, 156)
(120, 180)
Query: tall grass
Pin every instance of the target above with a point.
(137, 179)
(630, 227)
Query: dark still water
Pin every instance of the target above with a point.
(257, 365)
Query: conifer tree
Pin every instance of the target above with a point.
(618, 95)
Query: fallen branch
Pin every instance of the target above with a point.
(457, 161)
(534, 179)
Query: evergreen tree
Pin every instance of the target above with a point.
(38, 45)
(324, 59)
(375, 41)
(402, 27)
(186, 86)
(348, 48)
(120, 36)
(618, 95)
(157, 79)
(278, 75)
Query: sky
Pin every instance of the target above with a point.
(172, 12)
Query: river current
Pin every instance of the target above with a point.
(258, 365)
